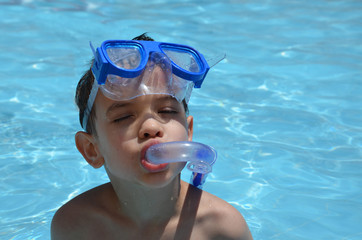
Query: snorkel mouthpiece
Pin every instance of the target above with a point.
(201, 157)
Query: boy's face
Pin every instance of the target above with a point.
(125, 129)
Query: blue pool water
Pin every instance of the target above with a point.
(284, 110)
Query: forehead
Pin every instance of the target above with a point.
(106, 105)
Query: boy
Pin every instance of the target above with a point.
(124, 111)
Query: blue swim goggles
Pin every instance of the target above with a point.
(128, 58)
(126, 69)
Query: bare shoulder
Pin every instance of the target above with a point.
(221, 219)
(77, 214)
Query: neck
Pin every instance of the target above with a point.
(144, 204)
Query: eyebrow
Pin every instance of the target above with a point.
(166, 98)
(115, 106)
(118, 105)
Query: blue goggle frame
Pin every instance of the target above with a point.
(102, 65)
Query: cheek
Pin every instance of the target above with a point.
(112, 136)
(121, 158)
(115, 147)
(178, 132)
(120, 148)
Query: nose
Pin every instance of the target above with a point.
(151, 128)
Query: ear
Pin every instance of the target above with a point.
(190, 127)
(87, 146)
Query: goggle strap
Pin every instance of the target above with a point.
(216, 59)
(93, 49)
(90, 102)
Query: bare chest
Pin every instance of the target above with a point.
(170, 230)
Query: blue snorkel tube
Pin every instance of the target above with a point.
(201, 158)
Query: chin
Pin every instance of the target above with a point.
(164, 178)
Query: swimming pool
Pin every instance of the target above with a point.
(283, 110)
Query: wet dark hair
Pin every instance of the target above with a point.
(84, 88)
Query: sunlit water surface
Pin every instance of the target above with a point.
(283, 110)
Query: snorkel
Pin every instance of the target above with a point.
(200, 158)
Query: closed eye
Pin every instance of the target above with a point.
(123, 118)
(168, 111)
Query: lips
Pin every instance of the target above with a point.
(148, 165)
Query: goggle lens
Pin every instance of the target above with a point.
(124, 56)
(184, 59)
